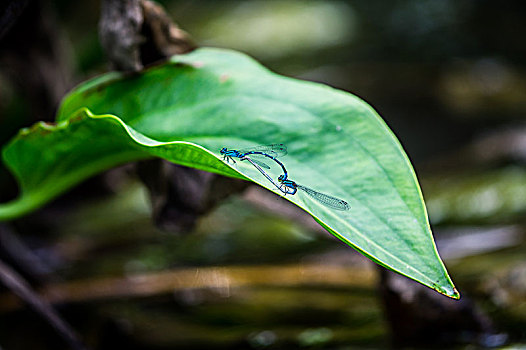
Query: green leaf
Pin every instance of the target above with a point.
(186, 110)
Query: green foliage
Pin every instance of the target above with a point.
(491, 196)
(186, 110)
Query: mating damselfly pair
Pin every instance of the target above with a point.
(256, 157)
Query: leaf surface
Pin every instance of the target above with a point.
(186, 110)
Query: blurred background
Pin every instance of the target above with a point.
(448, 77)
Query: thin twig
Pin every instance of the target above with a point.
(23, 290)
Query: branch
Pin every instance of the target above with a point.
(135, 33)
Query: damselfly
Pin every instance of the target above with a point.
(279, 187)
(292, 187)
(271, 151)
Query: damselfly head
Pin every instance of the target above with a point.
(281, 177)
(223, 150)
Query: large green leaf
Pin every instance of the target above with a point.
(186, 110)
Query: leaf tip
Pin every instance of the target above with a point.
(455, 295)
(449, 291)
